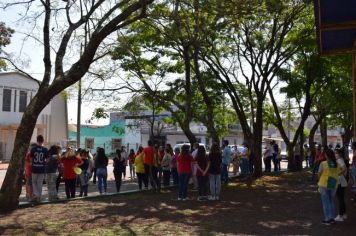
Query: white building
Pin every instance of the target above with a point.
(137, 130)
(16, 91)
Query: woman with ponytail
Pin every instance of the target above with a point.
(328, 174)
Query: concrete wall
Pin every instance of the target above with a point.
(16, 82)
(102, 136)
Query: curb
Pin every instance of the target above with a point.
(128, 192)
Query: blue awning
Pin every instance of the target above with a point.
(336, 25)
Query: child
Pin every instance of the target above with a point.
(166, 167)
(69, 162)
(86, 173)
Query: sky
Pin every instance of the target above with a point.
(29, 54)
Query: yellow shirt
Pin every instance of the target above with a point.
(330, 176)
(139, 164)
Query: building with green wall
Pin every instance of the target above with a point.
(110, 137)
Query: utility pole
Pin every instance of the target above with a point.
(79, 111)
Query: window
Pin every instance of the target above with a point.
(6, 100)
(115, 143)
(15, 100)
(23, 101)
(89, 143)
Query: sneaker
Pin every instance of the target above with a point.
(200, 199)
(211, 198)
(180, 199)
(217, 198)
(186, 199)
(344, 216)
(339, 218)
(332, 221)
(325, 222)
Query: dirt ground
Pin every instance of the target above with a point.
(273, 205)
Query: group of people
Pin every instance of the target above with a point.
(158, 165)
(333, 168)
(150, 165)
(272, 153)
(73, 167)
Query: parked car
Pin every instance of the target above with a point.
(179, 145)
(239, 148)
(284, 155)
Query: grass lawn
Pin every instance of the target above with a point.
(273, 205)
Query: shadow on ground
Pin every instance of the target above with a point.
(274, 205)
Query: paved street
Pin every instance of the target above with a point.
(127, 184)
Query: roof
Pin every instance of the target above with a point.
(19, 73)
(335, 25)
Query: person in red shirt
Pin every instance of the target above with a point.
(132, 163)
(320, 156)
(69, 162)
(28, 173)
(184, 166)
(148, 161)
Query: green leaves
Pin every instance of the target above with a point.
(5, 39)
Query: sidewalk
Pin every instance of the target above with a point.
(3, 166)
(127, 185)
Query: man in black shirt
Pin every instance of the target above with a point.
(39, 154)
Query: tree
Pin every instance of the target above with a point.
(253, 47)
(88, 23)
(160, 47)
(5, 35)
(302, 85)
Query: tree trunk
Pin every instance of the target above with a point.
(291, 159)
(324, 133)
(347, 136)
(12, 185)
(257, 139)
(207, 99)
(311, 137)
(189, 134)
(301, 148)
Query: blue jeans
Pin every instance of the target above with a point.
(224, 172)
(327, 199)
(102, 175)
(183, 185)
(315, 169)
(353, 174)
(174, 176)
(215, 185)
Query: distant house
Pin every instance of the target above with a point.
(16, 91)
(110, 137)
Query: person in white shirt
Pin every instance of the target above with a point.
(194, 170)
(342, 185)
(125, 156)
